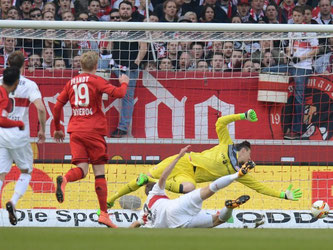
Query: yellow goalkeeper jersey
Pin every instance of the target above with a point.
(222, 160)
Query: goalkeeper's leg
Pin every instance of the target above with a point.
(130, 187)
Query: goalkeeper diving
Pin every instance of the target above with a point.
(224, 159)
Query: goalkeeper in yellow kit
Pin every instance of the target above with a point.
(223, 159)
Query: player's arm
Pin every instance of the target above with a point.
(135, 224)
(223, 121)
(8, 123)
(57, 111)
(168, 169)
(251, 182)
(42, 119)
(112, 90)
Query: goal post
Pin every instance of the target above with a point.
(191, 74)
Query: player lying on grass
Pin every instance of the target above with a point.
(87, 128)
(161, 212)
(223, 159)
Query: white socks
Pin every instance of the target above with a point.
(20, 187)
(225, 214)
(223, 182)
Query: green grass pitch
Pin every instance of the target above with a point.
(164, 239)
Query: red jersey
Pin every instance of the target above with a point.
(84, 92)
(6, 106)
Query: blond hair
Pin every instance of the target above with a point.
(89, 60)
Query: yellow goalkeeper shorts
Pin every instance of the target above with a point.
(183, 171)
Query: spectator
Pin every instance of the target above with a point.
(9, 46)
(227, 49)
(236, 19)
(59, 63)
(325, 16)
(173, 53)
(165, 64)
(217, 63)
(4, 7)
(142, 8)
(286, 10)
(208, 14)
(94, 8)
(35, 14)
(268, 59)
(248, 66)
(268, 45)
(13, 13)
(153, 18)
(114, 15)
(47, 57)
(197, 51)
(308, 15)
(64, 6)
(38, 4)
(25, 7)
(169, 11)
(202, 66)
(192, 16)
(34, 62)
(104, 11)
(82, 16)
(257, 11)
(48, 16)
(67, 16)
(76, 64)
(256, 67)
(127, 57)
(216, 46)
(236, 61)
(243, 8)
(51, 7)
(323, 64)
(150, 66)
(300, 68)
(185, 61)
(271, 14)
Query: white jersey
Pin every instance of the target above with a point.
(300, 47)
(26, 92)
(160, 212)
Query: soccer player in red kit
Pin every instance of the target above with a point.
(87, 128)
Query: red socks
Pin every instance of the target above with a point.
(101, 191)
(74, 174)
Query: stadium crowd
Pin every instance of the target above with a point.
(310, 56)
(213, 56)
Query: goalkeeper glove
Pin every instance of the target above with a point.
(291, 194)
(250, 115)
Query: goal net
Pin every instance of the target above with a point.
(185, 77)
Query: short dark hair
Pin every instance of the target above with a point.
(298, 9)
(16, 59)
(11, 75)
(149, 187)
(243, 144)
(126, 2)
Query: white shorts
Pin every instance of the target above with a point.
(22, 157)
(185, 211)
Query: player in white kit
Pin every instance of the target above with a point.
(14, 143)
(161, 212)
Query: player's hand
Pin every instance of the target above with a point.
(21, 126)
(123, 79)
(249, 115)
(59, 136)
(41, 136)
(183, 151)
(292, 194)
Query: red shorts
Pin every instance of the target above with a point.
(88, 147)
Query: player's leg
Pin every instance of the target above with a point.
(226, 212)
(97, 151)
(129, 187)
(6, 162)
(80, 159)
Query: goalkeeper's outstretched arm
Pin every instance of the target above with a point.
(223, 121)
